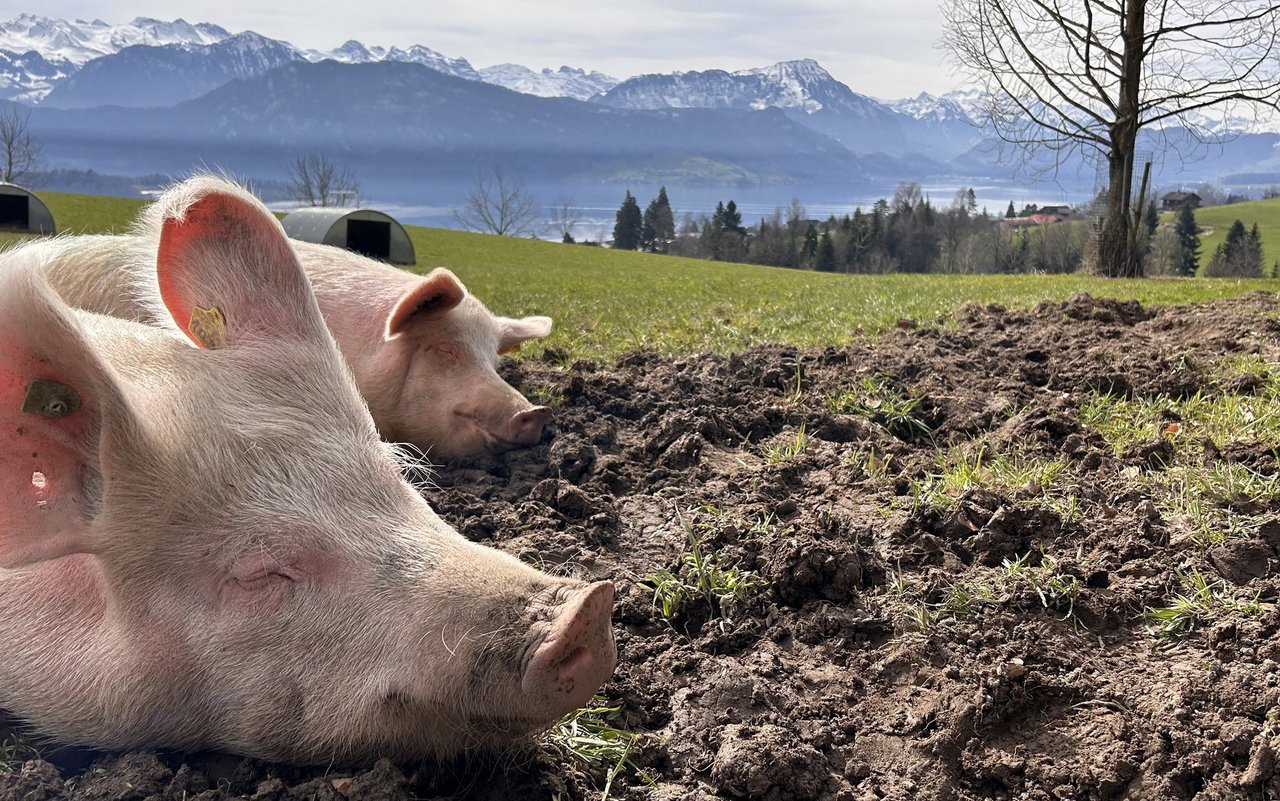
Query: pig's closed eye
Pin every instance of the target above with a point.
(258, 583)
(446, 354)
(261, 581)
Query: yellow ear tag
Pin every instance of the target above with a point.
(50, 399)
(510, 349)
(209, 327)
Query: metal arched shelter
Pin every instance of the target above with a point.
(365, 231)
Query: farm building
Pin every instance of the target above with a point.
(365, 231)
(20, 210)
(1174, 201)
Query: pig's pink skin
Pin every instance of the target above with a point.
(433, 383)
(215, 551)
(434, 380)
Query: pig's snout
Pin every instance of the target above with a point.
(525, 428)
(577, 655)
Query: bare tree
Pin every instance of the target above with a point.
(500, 205)
(1085, 76)
(316, 180)
(564, 218)
(19, 151)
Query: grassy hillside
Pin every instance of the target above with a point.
(606, 302)
(1266, 213)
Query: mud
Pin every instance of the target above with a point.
(852, 666)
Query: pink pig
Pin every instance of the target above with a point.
(423, 350)
(205, 545)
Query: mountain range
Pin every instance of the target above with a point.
(154, 96)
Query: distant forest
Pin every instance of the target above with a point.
(909, 233)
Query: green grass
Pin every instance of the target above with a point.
(587, 736)
(881, 403)
(1013, 584)
(1040, 481)
(84, 214)
(1200, 601)
(700, 578)
(1266, 213)
(607, 302)
(1211, 501)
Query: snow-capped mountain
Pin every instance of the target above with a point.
(164, 75)
(928, 108)
(564, 82)
(79, 42)
(804, 90)
(798, 85)
(27, 77)
(354, 52)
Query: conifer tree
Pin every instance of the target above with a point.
(1239, 255)
(629, 224)
(1188, 236)
(659, 224)
(809, 250)
(826, 258)
(1010, 212)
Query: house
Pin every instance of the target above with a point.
(1061, 212)
(1042, 217)
(1174, 201)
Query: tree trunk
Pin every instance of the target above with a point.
(1118, 256)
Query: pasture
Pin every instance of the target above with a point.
(1023, 546)
(608, 302)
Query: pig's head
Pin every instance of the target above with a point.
(204, 544)
(443, 346)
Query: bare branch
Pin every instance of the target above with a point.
(500, 205)
(316, 180)
(19, 151)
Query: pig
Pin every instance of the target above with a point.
(424, 351)
(204, 544)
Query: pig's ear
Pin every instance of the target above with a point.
(514, 333)
(54, 394)
(439, 292)
(225, 269)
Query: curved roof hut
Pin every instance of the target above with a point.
(365, 231)
(21, 210)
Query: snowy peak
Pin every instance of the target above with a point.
(80, 42)
(928, 108)
(794, 85)
(163, 75)
(564, 82)
(354, 52)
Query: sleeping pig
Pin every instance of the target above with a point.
(205, 545)
(423, 350)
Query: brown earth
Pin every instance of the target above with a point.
(824, 685)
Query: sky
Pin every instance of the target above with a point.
(883, 49)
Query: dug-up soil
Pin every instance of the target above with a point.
(882, 645)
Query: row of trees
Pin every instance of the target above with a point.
(905, 234)
(908, 233)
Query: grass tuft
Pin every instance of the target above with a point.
(1200, 600)
(882, 404)
(587, 736)
(700, 578)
